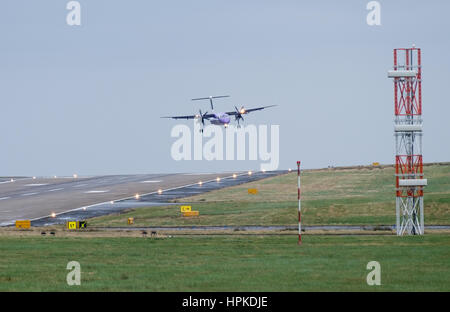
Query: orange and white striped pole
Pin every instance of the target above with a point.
(299, 205)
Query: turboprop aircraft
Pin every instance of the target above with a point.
(221, 119)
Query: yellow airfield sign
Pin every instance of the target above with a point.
(23, 224)
(72, 225)
(75, 225)
(190, 213)
(185, 208)
(253, 191)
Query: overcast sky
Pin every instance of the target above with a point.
(88, 99)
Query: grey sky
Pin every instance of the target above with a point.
(87, 99)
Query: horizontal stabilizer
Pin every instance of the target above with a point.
(211, 97)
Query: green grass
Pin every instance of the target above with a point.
(237, 263)
(251, 263)
(351, 196)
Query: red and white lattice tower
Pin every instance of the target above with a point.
(407, 75)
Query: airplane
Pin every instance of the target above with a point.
(221, 119)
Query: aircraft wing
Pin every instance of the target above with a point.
(246, 111)
(206, 116)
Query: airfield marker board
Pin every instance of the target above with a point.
(23, 224)
(185, 208)
(76, 225)
(71, 225)
(191, 213)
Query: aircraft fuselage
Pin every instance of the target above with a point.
(220, 119)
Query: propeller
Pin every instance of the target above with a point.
(202, 116)
(239, 114)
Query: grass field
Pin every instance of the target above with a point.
(352, 196)
(231, 263)
(239, 262)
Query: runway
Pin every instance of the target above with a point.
(69, 198)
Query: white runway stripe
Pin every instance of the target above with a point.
(189, 174)
(93, 192)
(29, 194)
(79, 185)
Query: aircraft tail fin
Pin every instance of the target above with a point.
(210, 98)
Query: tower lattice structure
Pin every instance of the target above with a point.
(409, 178)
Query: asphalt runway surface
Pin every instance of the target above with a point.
(69, 198)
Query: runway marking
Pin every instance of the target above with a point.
(36, 184)
(54, 190)
(9, 181)
(79, 185)
(15, 180)
(125, 198)
(93, 192)
(3, 198)
(29, 194)
(151, 181)
(189, 174)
